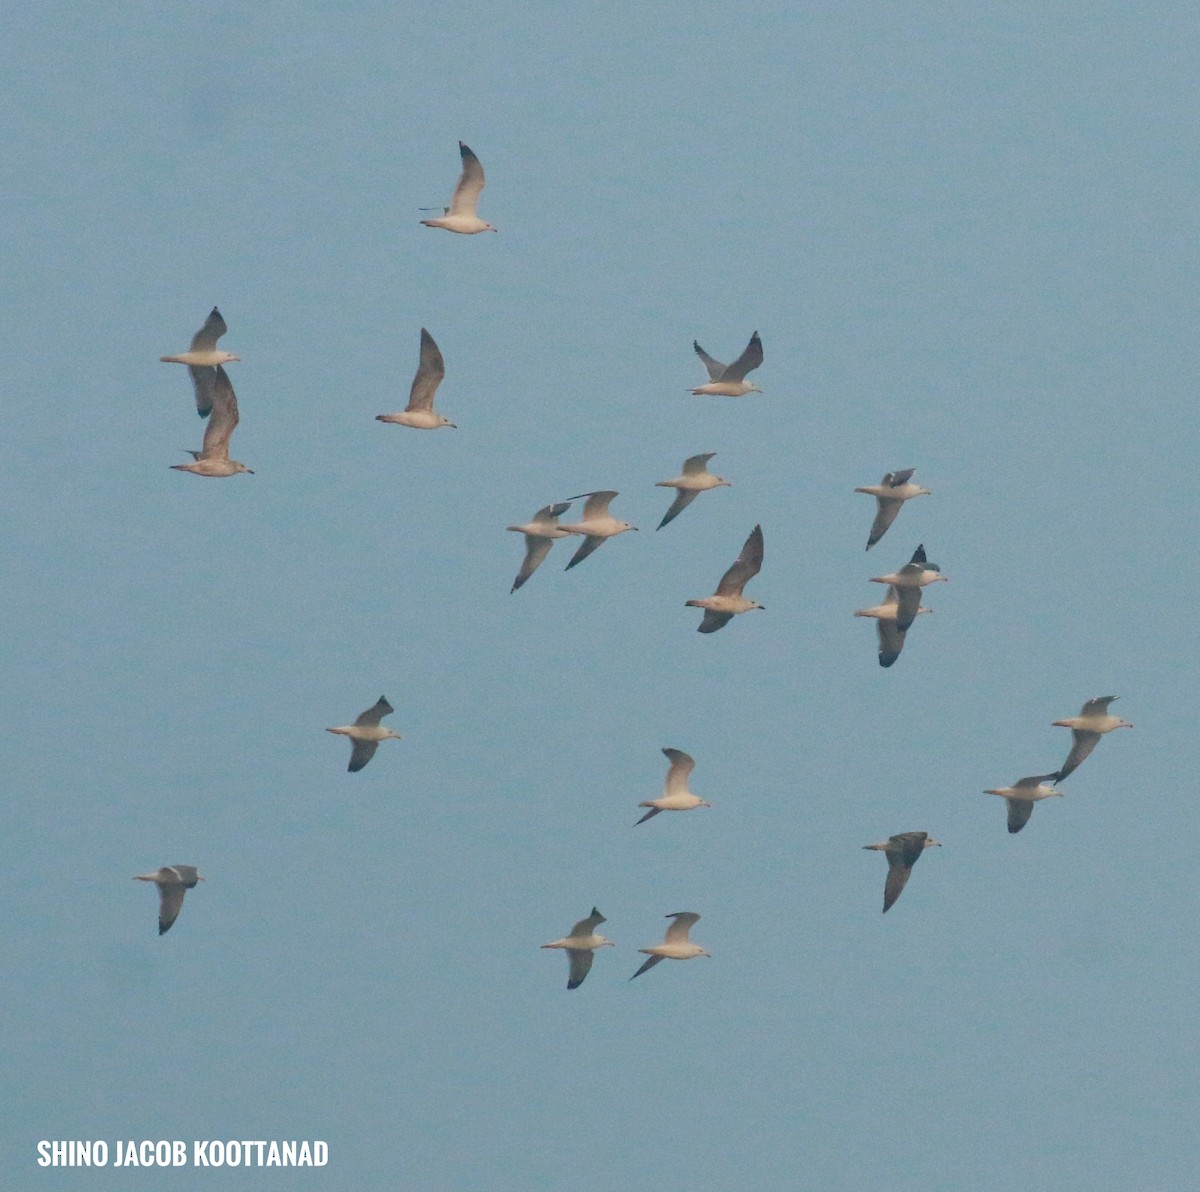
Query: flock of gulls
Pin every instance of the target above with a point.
(894, 616)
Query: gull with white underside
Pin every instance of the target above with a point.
(460, 216)
(696, 478)
(580, 944)
(676, 796)
(727, 602)
(366, 732)
(419, 413)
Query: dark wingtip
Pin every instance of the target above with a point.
(574, 984)
(887, 659)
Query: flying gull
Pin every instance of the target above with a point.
(729, 380)
(903, 851)
(539, 538)
(597, 525)
(675, 945)
(728, 601)
(890, 493)
(460, 215)
(173, 882)
(696, 479)
(419, 412)
(916, 574)
(213, 459)
(366, 733)
(887, 614)
(1021, 797)
(204, 351)
(1087, 728)
(676, 796)
(581, 942)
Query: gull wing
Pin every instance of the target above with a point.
(683, 498)
(203, 381)
(908, 602)
(682, 764)
(885, 514)
(649, 815)
(919, 556)
(581, 965)
(205, 340)
(596, 504)
(1019, 811)
(375, 713)
(748, 361)
(712, 621)
(470, 183)
(430, 371)
(549, 514)
(170, 903)
(536, 549)
(591, 542)
(361, 752)
(716, 370)
(1083, 742)
(1097, 706)
(896, 479)
(891, 641)
(587, 926)
(677, 933)
(694, 465)
(648, 963)
(897, 879)
(224, 419)
(745, 567)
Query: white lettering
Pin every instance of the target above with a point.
(200, 1154)
(320, 1153)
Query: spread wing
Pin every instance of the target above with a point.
(536, 549)
(713, 621)
(649, 963)
(430, 371)
(683, 498)
(891, 641)
(908, 602)
(677, 933)
(748, 361)
(1097, 706)
(745, 567)
(694, 465)
(470, 183)
(587, 926)
(1083, 742)
(205, 340)
(885, 514)
(361, 752)
(896, 479)
(170, 902)
(596, 504)
(1019, 811)
(203, 380)
(682, 764)
(375, 713)
(590, 543)
(716, 370)
(581, 965)
(897, 879)
(224, 418)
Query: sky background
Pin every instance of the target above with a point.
(967, 235)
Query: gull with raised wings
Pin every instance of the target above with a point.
(675, 796)
(1087, 728)
(460, 215)
(728, 601)
(903, 851)
(1022, 795)
(675, 945)
(916, 574)
(204, 352)
(173, 882)
(540, 534)
(366, 733)
(597, 525)
(581, 943)
(213, 459)
(419, 412)
(890, 493)
(729, 380)
(696, 479)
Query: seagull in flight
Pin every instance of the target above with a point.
(540, 534)
(220, 399)
(366, 733)
(676, 796)
(581, 943)
(696, 479)
(887, 616)
(460, 215)
(1087, 728)
(675, 945)
(1022, 795)
(916, 574)
(419, 412)
(903, 851)
(890, 493)
(204, 352)
(597, 525)
(173, 882)
(728, 601)
(729, 380)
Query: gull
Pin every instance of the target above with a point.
(460, 215)
(1086, 729)
(903, 851)
(214, 459)
(366, 733)
(675, 945)
(580, 942)
(887, 615)
(204, 351)
(890, 493)
(596, 526)
(721, 607)
(173, 882)
(539, 538)
(1022, 795)
(696, 479)
(729, 380)
(430, 371)
(916, 574)
(676, 796)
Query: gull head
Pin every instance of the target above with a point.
(242, 467)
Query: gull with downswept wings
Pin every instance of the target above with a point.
(1022, 795)
(204, 352)
(580, 944)
(1087, 728)
(890, 493)
(597, 525)
(887, 614)
(696, 479)
(173, 882)
(419, 412)
(903, 851)
(675, 796)
(729, 380)
(728, 601)
(675, 945)
(916, 574)
(460, 215)
(213, 459)
(540, 534)
(366, 733)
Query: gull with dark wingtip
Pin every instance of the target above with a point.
(213, 459)
(173, 882)
(366, 733)
(675, 796)
(540, 534)
(419, 412)
(580, 944)
(887, 615)
(597, 526)
(204, 352)
(460, 215)
(1087, 728)
(729, 380)
(727, 602)
(675, 945)
(916, 574)
(696, 479)
(890, 493)
(903, 851)
(1022, 795)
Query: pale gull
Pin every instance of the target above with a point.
(596, 527)
(1087, 728)
(675, 945)
(916, 574)
(173, 881)
(419, 412)
(460, 215)
(214, 459)
(580, 944)
(728, 601)
(890, 493)
(729, 380)
(540, 534)
(676, 796)
(1021, 797)
(903, 851)
(204, 351)
(696, 479)
(366, 733)
(891, 636)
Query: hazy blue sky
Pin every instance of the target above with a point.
(967, 234)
